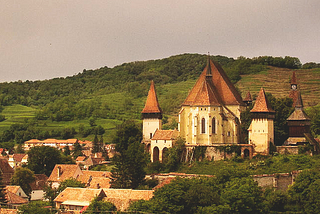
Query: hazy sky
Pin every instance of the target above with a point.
(43, 39)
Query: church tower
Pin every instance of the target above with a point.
(261, 130)
(211, 112)
(151, 114)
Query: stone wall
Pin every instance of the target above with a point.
(284, 150)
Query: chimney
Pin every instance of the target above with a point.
(59, 171)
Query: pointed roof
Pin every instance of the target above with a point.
(152, 104)
(298, 113)
(213, 88)
(293, 78)
(262, 104)
(248, 97)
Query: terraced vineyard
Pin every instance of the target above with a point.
(277, 82)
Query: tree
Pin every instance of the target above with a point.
(42, 159)
(97, 206)
(66, 151)
(35, 207)
(243, 195)
(304, 194)
(77, 150)
(130, 159)
(23, 177)
(96, 145)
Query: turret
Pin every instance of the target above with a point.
(261, 130)
(151, 114)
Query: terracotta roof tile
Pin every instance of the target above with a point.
(66, 171)
(165, 135)
(13, 188)
(222, 89)
(293, 79)
(81, 158)
(14, 199)
(294, 94)
(262, 104)
(78, 195)
(5, 167)
(93, 179)
(18, 157)
(152, 104)
(164, 182)
(40, 182)
(248, 97)
(122, 198)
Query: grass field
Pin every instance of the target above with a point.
(277, 82)
(274, 80)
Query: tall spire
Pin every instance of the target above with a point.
(152, 104)
(209, 73)
(262, 105)
(293, 79)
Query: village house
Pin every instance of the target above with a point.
(17, 160)
(37, 187)
(6, 171)
(59, 144)
(62, 172)
(77, 199)
(17, 190)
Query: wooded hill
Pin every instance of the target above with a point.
(106, 96)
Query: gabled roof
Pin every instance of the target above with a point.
(66, 171)
(5, 167)
(122, 198)
(13, 188)
(73, 196)
(40, 182)
(165, 135)
(14, 199)
(152, 104)
(18, 157)
(262, 104)
(213, 88)
(95, 179)
(298, 113)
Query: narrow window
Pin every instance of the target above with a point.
(203, 126)
(150, 135)
(213, 125)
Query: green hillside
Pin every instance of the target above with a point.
(277, 82)
(80, 105)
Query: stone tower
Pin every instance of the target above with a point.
(151, 114)
(261, 130)
(211, 112)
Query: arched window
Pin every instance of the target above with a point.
(203, 126)
(155, 154)
(213, 125)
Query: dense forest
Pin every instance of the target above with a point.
(115, 94)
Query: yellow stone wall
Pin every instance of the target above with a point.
(150, 125)
(226, 129)
(261, 133)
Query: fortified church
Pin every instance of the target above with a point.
(210, 117)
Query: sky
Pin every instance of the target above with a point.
(41, 39)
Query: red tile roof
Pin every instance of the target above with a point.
(293, 78)
(262, 104)
(14, 199)
(18, 157)
(152, 104)
(165, 135)
(219, 91)
(66, 171)
(248, 97)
